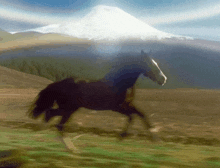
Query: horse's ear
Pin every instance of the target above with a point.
(145, 57)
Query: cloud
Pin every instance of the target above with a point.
(195, 14)
(30, 17)
(27, 14)
(207, 33)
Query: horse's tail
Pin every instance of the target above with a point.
(44, 100)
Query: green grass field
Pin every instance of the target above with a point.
(188, 120)
(41, 149)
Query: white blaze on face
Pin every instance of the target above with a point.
(161, 74)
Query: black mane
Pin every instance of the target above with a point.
(130, 58)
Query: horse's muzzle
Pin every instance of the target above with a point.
(163, 80)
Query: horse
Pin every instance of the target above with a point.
(113, 92)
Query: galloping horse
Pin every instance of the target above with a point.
(109, 93)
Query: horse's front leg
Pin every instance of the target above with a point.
(147, 125)
(124, 132)
(129, 108)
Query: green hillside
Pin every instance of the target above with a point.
(89, 68)
(57, 68)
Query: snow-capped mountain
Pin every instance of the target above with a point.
(107, 23)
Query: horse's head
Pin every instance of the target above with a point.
(153, 72)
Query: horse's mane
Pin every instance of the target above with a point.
(132, 57)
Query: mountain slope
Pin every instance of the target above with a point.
(107, 23)
(4, 36)
(32, 39)
(184, 64)
(16, 79)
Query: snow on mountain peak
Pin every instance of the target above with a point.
(107, 23)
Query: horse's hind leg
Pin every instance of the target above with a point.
(50, 113)
(65, 117)
(66, 141)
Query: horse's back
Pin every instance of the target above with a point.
(63, 91)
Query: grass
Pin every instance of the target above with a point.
(188, 121)
(40, 149)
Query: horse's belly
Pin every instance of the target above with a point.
(99, 96)
(98, 103)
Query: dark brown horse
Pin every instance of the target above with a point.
(113, 92)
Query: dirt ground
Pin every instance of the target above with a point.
(188, 116)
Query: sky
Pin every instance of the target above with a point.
(195, 18)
